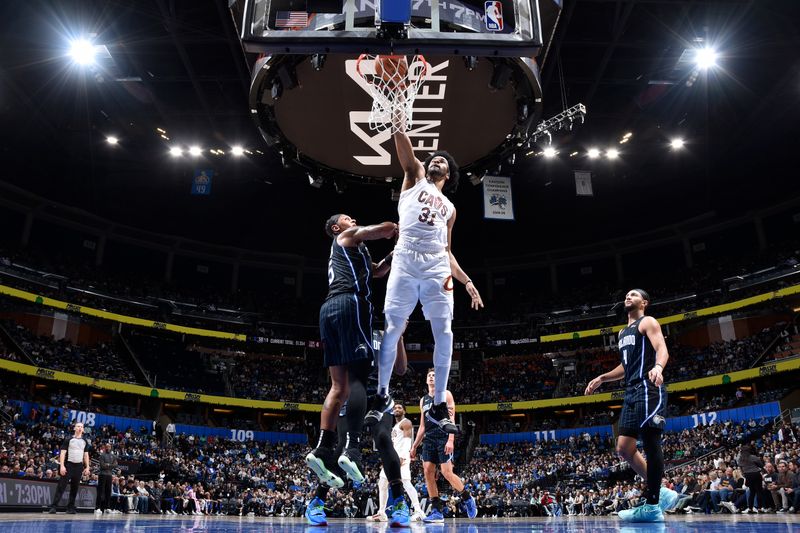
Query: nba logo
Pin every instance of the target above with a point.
(494, 16)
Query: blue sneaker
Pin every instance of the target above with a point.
(667, 499)
(400, 515)
(315, 513)
(470, 507)
(434, 517)
(647, 512)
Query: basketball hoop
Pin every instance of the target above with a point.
(393, 83)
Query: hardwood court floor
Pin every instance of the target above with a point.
(89, 523)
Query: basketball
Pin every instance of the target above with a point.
(391, 69)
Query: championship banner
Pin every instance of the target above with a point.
(497, 200)
(583, 183)
(201, 184)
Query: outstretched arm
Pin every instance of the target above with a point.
(456, 270)
(613, 375)
(355, 235)
(412, 167)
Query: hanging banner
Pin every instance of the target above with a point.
(583, 183)
(497, 200)
(201, 184)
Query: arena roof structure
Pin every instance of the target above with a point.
(165, 76)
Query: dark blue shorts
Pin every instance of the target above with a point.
(433, 447)
(345, 326)
(645, 405)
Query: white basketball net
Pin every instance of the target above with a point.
(393, 92)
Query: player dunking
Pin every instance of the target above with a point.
(437, 449)
(402, 436)
(644, 356)
(423, 270)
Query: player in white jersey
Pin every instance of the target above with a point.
(402, 437)
(423, 270)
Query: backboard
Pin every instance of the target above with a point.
(481, 99)
(458, 27)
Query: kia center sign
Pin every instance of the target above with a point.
(21, 493)
(319, 117)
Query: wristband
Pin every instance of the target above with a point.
(468, 282)
(388, 259)
(659, 364)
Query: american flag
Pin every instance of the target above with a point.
(291, 19)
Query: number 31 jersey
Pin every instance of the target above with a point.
(424, 211)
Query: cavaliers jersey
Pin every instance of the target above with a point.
(637, 353)
(401, 443)
(424, 211)
(349, 270)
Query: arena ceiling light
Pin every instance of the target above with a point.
(175, 151)
(82, 52)
(112, 140)
(706, 58)
(549, 152)
(677, 143)
(195, 151)
(237, 151)
(593, 153)
(612, 153)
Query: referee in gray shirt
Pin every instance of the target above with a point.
(74, 455)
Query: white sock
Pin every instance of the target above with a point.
(411, 490)
(442, 356)
(383, 493)
(388, 354)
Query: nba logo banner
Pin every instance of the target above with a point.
(494, 15)
(201, 184)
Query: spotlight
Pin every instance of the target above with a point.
(612, 153)
(175, 151)
(593, 153)
(470, 62)
(340, 185)
(237, 151)
(477, 178)
(677, 143)
(112, 140)
(706, 58)
(318, 61)
(549, 152)
(82, 52)
(315, 182)
(195, 151)
(501, 75)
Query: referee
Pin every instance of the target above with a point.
(74, 454)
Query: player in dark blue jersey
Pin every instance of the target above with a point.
(437, 449)
(644, 356)
(346, 331)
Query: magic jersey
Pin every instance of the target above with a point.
(349, 270)
(424, 211)
(637, 354)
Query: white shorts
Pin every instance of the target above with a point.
(419, 277)
(405, 471)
